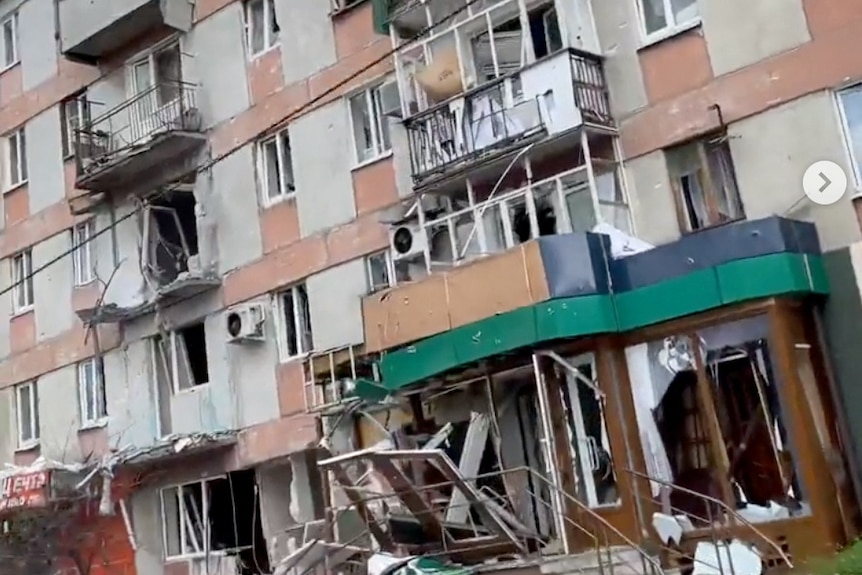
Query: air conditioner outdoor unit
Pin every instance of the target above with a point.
(245, 323)
(406, 242)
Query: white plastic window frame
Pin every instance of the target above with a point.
(270, 39)
(33, 400)
(11, 38)
(284, 159)
(281, 323)
(23, 295)
(17, 174)
(380, 149)
(90, 374)
(189, 548)
(83, 265)
(671, 27)
(847, 133)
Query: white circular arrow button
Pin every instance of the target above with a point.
(824, 182)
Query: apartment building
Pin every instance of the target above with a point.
(398, 286)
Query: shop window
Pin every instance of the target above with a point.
(219, 516)
(724, 437)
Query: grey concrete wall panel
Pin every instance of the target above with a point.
(769, 27)
(697, 251)
(575, 264)
(321, 161)
(54, 315)
(335, 303)
(307, 38)
(236, 209)
(93, 29)
(47, 179)
(217, 47)
(58, 424)
(38, 47)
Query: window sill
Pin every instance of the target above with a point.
(272, 202)
(23, 311)
(264, 52)
(8, 67)
(192, 389)
(28, 446)
(14, 187)
(668, 33)
(370, 161)
(84, 283)
(295, 358)
(91, 425)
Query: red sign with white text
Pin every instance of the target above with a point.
(24, 490)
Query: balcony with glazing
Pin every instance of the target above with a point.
(479, 253)
(494, 79)
(93, 29)
(144, 142)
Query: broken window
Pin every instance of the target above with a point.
(22, 281)
(380, 271)
(75, 114)
(261, 26)
(724, 436)
(170, 236)
(83, 268)
(91, 392)
(275, 168)
(296, 338)
(216, 516)
(181, 358)
(27, 412)
(703, 180)
(370, 125)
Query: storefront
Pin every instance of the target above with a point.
(684, 396)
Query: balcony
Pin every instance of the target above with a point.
(94, 29)
(143, 143)
(526, 240)
(550, 98)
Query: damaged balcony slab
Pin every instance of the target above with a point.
(171, 448)
(146, 142)
(92, 30)
(183, 288)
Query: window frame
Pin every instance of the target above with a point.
(177, 492)
(83, 116)
(22, 281)
(271, 38)
(20, 171)
(34, 423)
(373, 106)
(91, 372)
(389, 265)
(303, 348)
(83, 272)
(706, 183)
(671, 27)
(169, 344)
(11, 22)
(855, 162)
(284, 159)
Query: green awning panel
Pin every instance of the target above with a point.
(573, 317)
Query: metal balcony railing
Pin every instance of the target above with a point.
(591, 88)
(162, 108)
(488, 121)
(441, 136)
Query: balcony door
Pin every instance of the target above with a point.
(155, 83)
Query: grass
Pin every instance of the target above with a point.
(848, 561)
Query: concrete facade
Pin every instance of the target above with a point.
(661, 93)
